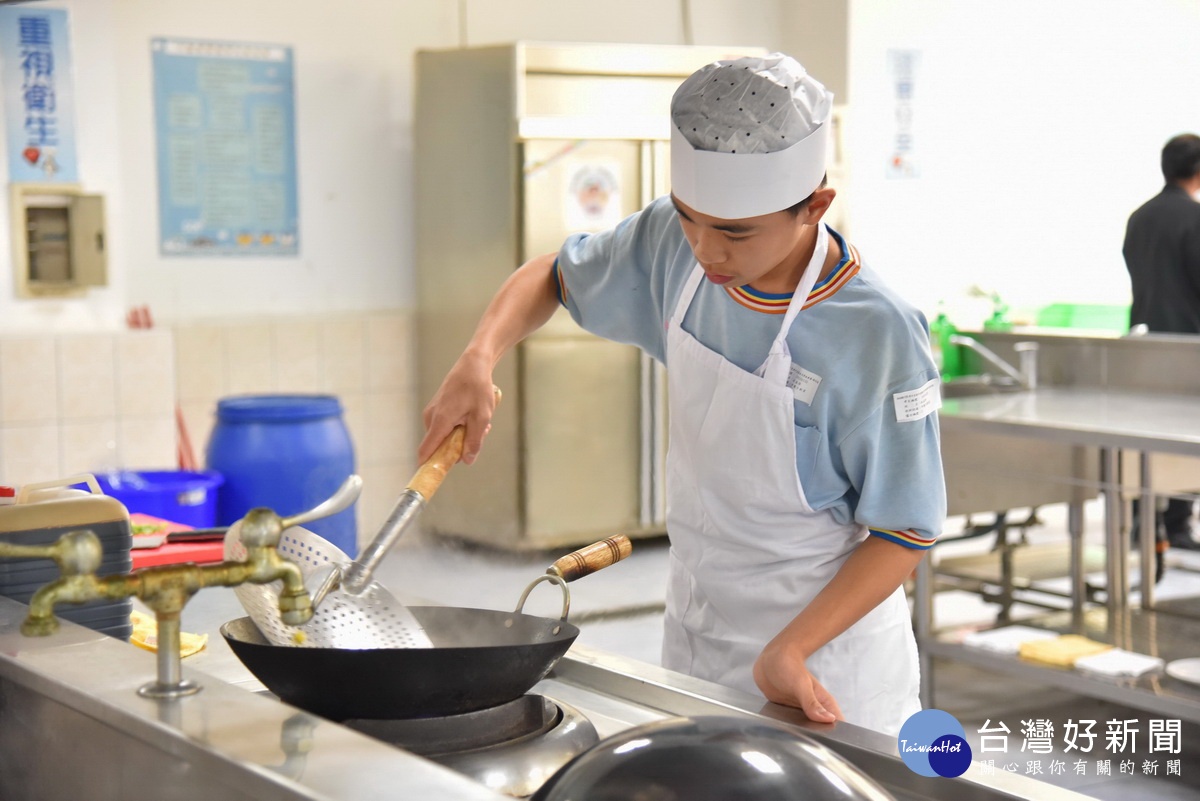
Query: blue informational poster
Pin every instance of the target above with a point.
(39, 99)
(225, 119)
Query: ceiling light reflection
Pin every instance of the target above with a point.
(762, 762)
(632, 745)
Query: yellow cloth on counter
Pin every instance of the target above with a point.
(1061, 651)
(145, 635)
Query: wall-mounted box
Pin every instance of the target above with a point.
(58, 240)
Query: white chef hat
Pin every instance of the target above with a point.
(749, 136)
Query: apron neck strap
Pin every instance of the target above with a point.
(689, 291)
(807, 281)
(776, 366)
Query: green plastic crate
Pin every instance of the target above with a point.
(1092, 316)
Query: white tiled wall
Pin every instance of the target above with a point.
(73, 403)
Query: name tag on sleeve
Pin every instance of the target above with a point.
(918, 403)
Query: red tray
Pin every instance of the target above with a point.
(173, 553)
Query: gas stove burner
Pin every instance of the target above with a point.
(512, 748)
(527, 716)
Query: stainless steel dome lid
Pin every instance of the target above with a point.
(710, 757)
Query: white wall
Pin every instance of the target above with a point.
(353, 121)
(354, 79)
(1039, 127)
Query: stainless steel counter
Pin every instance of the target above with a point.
(72, 725)
(1112, 421)
(1083, 416)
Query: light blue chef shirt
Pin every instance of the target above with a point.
(854, 457)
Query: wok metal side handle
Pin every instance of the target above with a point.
(560, 581)
(580, 563)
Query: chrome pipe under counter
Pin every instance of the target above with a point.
(72, 725)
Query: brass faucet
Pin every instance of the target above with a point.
(165, 589)
(168, 588)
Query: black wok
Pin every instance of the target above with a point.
(480, 658)
(477, 661)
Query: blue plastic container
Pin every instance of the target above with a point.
(285, 452)
(181, 496)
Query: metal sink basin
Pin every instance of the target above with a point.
(970, 386)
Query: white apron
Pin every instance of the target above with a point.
(748, 553)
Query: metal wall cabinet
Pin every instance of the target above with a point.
(58, 240)
(577, 449)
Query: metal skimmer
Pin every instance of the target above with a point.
(349, 609)
(372, 619)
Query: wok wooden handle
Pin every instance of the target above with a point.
(589, 559)
(432, 473)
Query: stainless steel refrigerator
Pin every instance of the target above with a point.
(518, 146)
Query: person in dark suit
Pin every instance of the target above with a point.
(1162, 254)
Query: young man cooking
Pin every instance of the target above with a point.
(804, 474)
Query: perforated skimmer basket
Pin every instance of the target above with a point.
(373, 618)
(349, 609)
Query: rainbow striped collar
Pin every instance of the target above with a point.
(769, 303)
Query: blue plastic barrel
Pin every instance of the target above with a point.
(285, 452)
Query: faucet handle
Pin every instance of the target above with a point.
(263, 527)
(77, 553)
(346, 494)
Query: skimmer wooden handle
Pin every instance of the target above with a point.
(589, 559)
(432, 473)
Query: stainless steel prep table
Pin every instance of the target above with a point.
(1111, 421)
(71, 725)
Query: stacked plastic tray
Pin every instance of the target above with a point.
(21, 578)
